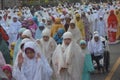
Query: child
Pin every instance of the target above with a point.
(12, 52)
(31, 65)
(88, 66)
(7, 69)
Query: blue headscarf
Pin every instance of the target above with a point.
(36, 20)
(38, 33)
(56, 36)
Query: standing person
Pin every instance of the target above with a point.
(101, 27)
(17, 45)
(86, 26)
(14, 29)
(75, 31)
(66, 26)
(118, 29)
(47, 44)
(31, 65)
(38, 32)
(4, 49)
(32, 26)
(112, 27)
(56, 26)
(80, 25)
(88, 66)
(67, 59)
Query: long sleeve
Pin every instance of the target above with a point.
(88, 63)
(18, 74)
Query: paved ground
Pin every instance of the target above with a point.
(114, 73)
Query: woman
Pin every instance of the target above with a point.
(118, 29)
(31, 65)
(17, 46)
(56, 26)
(80, 25)
(47, 45)
(68, 60)
(88, 66)
(27, 34)
(96, 49)
(112, 27)
(75, 31)
(32, 26)
(58, 36)
(86, 26)
(4, 49)
(38, 33)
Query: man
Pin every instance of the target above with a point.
(67, 59)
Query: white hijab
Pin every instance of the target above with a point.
(75, 32)
(33, 69)
(71, 55)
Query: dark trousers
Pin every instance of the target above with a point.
(97, 59)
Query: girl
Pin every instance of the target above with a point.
(30, 65)
(88, 66)
(7, 69)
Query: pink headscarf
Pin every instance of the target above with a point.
(32, 27)
(7, 67)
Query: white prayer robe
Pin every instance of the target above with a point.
(34, 69)
(101, 28)
(48, 48)
(14, 29)
(76, 34)
(70, 58)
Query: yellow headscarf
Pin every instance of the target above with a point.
(80, 25)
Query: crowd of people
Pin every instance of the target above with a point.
(56, 43)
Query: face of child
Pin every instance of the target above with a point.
(12, 47)
(8, 74)
(67, 41)
(30, 53)
(46, 38)
(30, 22)
(72, 25)
(83, 46)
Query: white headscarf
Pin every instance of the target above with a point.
(67, 35)
(33, 69)
(71, 58)
(75, 32)
(97, 47)
(49, 46)
(28, 33)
